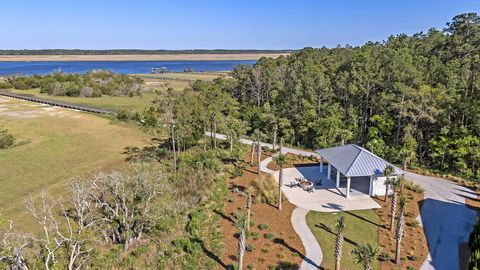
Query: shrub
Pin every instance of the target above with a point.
(412, 186)
(267, 189)
(249, 247)
(255, 235)
(263, 226)
(269, 235)
(384, 257)
(6, 139)
(414, 223)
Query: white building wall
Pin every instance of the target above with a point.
(378, 185)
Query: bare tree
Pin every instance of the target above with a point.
(12, 248)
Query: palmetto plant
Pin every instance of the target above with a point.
(394, 183)
(400, 225)
(365, 254)
(340, 227)
(387, 172)
(242, 238)
(281, 159)
(249, 206)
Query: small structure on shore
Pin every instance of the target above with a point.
(158, 70)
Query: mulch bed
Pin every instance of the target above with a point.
(283, 248)
(414, 247)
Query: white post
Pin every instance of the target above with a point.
(348, 187)
(338, 179)
(370, 188)
(329, 171)
(321, 164)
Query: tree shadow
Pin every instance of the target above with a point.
(364, 219)
(329, 230)
(282, 242)
(447, 225)
(223, 216)
(211, 255)
(155, 150)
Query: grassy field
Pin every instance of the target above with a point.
(104, 102)
(54, 145)
(361, 227)
(137, 103)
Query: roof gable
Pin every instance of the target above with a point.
(353, 160)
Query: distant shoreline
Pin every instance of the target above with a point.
(139, 57)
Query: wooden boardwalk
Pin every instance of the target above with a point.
(55, 103)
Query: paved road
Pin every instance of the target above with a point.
(446, 219)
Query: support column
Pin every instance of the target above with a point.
(321, 164)
(347, 194)
(338, 179)
(329, 171)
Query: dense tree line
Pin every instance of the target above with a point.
(94, 83)
(132, 51)
(414, 100)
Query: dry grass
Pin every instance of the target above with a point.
(266, 189)
(55, 145)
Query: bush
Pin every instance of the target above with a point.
(412, 186)
(414, 223)
(267, 189)
(384, 257)
(6, 139)
(263, 226)
(269, 236)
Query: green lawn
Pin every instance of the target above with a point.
(105, 102)
(361, 227)
(54, 145)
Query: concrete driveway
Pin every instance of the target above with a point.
(325, 197)
(446, 219)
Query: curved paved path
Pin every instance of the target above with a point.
(446, 219)
(313, 252)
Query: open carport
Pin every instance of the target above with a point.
(355, 169)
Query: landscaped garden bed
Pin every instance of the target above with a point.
(271, 243)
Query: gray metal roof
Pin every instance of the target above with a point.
(353, 160)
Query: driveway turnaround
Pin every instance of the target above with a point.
(446, 219)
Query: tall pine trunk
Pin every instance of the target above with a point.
(259, 155)
(274, 137)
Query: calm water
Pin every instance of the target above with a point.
(126, 67)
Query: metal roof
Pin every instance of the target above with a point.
(353, 160)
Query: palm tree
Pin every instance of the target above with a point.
(252, 153)
(281, 160)
(339, 226)
(387, 172)
(258, 136)
(365, 254)
(400, 225)
(249, 206)
(394, 183)
(241, 225)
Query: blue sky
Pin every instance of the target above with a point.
(188, 24)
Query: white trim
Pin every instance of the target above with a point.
(337, 184)
(348, 187)
(329, 171)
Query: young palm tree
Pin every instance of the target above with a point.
(387, 172)
(249, 206)
(339, 226)
(394, 183)
(242, 238)
(258, 137)
(365, 254)
(400, 225)
(281, 159)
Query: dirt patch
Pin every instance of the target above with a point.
(294, 161)
(274, 243)
(414, 247)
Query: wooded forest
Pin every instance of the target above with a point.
(414, 100)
